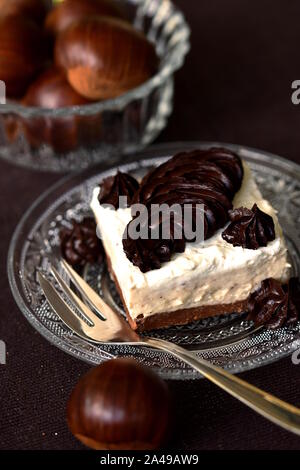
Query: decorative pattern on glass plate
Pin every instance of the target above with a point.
(228, 341)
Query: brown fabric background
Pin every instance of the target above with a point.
(235, 87)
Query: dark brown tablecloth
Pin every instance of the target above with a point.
(235, 87)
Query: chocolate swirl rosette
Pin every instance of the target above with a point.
(80, 243)
(113, 187)
(249, 228)
(274, 304)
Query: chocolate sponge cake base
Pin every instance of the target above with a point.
(176, 317)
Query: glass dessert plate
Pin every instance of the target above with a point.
(229, 341)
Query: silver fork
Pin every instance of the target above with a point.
(99, 323)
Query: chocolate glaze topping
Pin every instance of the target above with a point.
(209, 177)
(80, 244)
(249, 228)
(113, 187)
(274, 304)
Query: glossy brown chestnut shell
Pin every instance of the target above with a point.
(52, 91)
(69, 11)
(33, 9)
(11, 126)
(22, 53)
(120, 405)
(104, 57)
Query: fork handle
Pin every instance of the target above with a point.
(279, 412)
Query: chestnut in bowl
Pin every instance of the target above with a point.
(33, 9)
(104, 57)
(11, 127)
(22, 53)
(62, 133)
(120, 405)
(69, 11)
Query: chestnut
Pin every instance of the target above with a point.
(11, 127)
(69, 11)
(120, 405)
(22, 53)
(34, 9)
(65, 133)
(104, 57)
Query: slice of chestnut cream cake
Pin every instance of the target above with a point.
(165, 282)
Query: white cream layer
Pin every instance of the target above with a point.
(208, 273)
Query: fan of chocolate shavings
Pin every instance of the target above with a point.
(209, 178)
